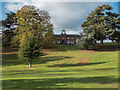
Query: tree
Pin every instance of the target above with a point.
(14, 41)
(32, 20)
(115, 37)
(84, 42)
(29, 50)
(101, 21)
(8, 28)
(8, 23)
(48, 39)
(6, 38)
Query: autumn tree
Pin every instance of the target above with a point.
(102, 22)
(48, 39)
(32, 20)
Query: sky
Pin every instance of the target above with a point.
(64, 15)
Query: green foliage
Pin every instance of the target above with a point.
(6, 38)
(8, 25)
(29, 50)
(48, 39)
(32, 20)
(115, 37)
(14, 41)
(102, 22)
(84, 42)
(9, 21)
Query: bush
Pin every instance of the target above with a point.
(85, 43)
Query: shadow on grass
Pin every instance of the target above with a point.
(57, 82)
(78, 64)
(12, 59)
(50, 58)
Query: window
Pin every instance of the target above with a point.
(63, 37)
(68, 41)
(68, 38)
(58, 42)
(58, 37)
(72, 42)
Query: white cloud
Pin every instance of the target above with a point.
(13, 7)
(60, 0)
(64, 15)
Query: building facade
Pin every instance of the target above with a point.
(64, 38)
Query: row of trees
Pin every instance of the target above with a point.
(100, 24)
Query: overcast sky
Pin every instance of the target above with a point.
(64, 15)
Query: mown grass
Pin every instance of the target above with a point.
(62, 68)
(110, 44)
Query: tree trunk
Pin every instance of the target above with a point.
(101, 40)
(95, 42)
(30, 65)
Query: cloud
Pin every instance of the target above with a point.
(69, 15)
(13, 6)
(60, 0)
(64, 15)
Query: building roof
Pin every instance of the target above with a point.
(63, 33)
(68, 35)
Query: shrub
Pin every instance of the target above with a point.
(85, 42)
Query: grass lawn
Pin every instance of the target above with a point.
(110, 44)
(65, 67)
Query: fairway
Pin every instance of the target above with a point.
(63, 67)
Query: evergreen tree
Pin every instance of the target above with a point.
(29, 50)
(8, 28)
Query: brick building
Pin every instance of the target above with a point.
(64, 38)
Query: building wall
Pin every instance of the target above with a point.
(72, 39)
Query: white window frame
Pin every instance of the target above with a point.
(68, 41)
(68, 37)
(72, 42)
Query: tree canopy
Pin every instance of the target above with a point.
(32, 20)
(102, 22)
(29, 50)
(8, 28)
(8, 23)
